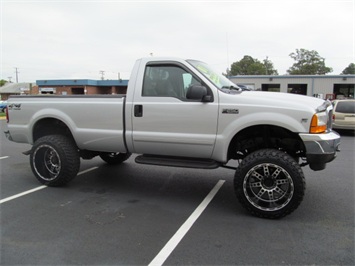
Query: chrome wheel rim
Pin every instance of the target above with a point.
(268, 187)
(46, 162)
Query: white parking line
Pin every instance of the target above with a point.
(22, 194)
(4, 157)
(38, 188)
(88, 170)
(175, 240)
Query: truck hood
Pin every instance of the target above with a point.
(282, 100)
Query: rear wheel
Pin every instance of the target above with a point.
(114, 157)
(54, 160)
(269, 184)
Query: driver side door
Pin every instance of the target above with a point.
(165, 122)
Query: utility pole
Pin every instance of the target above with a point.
(16, 71)
(102, 73)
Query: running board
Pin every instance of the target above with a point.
(177, 161)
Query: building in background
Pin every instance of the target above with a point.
(81, 86)
(322, 86)
(22, 88)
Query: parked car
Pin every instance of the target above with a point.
(344, 114)
(3, 105)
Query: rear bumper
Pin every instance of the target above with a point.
(321, 148)
(343, 126)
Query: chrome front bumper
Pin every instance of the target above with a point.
(321, 148)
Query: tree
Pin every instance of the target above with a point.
(269, 66)
(350, 69)
(308, 63)
(2, 82)
(251, 66)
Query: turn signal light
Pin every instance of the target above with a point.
(317, 124)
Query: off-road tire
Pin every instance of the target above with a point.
(269, 184)
(114, 157)
(54, 160)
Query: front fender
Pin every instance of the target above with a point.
(230, 127)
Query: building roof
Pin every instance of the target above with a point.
(15, 88)
(82, 82)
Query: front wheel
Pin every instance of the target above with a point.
(54, 160)
(269, 184)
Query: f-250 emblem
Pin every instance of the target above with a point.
(230, 111)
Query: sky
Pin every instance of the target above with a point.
(78, 39)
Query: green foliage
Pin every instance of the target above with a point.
(251, 66)
(350, 69)
(308, 63)
(2, 82)
(270, 67)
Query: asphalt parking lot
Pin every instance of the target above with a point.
(139, 215)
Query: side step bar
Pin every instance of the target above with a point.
(177, 161)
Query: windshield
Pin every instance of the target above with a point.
(220, 81)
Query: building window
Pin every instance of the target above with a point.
(343, 91)
(77, 90)
(270, 87)
(297, 89)
(47, 90)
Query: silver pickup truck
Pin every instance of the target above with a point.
(181, 113)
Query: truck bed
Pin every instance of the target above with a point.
(95, 121)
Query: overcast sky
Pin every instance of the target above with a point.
(78, 39)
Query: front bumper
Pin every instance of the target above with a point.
(321, 148)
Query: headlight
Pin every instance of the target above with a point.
(319, 123)
(324, 106)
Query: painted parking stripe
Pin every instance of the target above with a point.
(38, 188)
(22, 194)
(88, 170)
(4, 157)
(175, 240)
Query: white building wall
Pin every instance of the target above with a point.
(315, 84)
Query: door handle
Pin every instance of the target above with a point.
(138, 110)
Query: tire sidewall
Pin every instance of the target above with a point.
(278, 158)
(68, 155)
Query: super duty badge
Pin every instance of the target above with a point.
(230, 111)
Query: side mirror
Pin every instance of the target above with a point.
(198, 92)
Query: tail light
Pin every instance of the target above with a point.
(7, 114)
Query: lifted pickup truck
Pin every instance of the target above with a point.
(181, 113)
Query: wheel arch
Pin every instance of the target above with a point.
(263, 136)
(50, 126)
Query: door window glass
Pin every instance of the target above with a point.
(167, 81)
